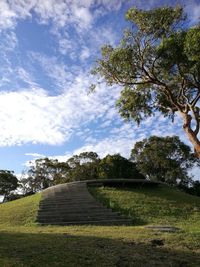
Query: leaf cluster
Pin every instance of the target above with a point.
(8, 182)
(165, 159)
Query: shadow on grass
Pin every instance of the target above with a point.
(107, 202)
(65, 250)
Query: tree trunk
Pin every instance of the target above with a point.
(190, 133)
(4, 199)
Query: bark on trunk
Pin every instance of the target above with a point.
(194, 140)
(190, 133)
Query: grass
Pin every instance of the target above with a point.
(20, 212)
(23, 243)
(153, 205)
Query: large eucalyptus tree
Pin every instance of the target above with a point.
(158, 65)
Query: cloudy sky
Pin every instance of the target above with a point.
(47, 50)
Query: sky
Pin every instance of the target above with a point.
(47, 50)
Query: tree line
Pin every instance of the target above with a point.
(163, 159)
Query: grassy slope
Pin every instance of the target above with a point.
(162, 205)
(24, 244)
(19, 212)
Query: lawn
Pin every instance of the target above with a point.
(24, 243)
(153, 205)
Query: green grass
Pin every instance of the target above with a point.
(23, 243)
(153, 205)
(20, 212)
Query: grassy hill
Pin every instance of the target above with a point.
(24, 243)
(153, 205)
(19, 212)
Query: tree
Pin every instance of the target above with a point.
(83, 166)
(158, 65)
(116, 166)
(165, 159)
(8, 183)
(39, 175)
(44, 173)
(194, 189)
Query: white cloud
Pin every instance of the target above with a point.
(66, 46)
(35, 155)
(58, 71)
(8, 41)
(121, 139)
(25, 117)
(64, 12)
(85, 53)
(82, 16)
(35, 117)
(193, 10)
(26, 77)
(60, 12)
(109, 146)
(112, 4)
(7, 15)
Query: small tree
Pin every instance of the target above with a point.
(8, 183)
(164, 159)
(158, 65)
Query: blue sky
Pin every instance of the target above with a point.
(47, 50)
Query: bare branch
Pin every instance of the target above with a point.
(195, 100)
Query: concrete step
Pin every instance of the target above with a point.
(71, 204)
(103, 222)
(72, 218)
(82, 212)
(97, 214)
(68, 196)
(71, 207)
(89, 218)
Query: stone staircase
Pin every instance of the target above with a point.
(72, 204)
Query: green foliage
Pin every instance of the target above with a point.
(158, 65)
(116, 166)
(42, 174)
(85, 166)
(164, 159)
(191, 44)
(8, 182)
(157, 22)
(194, 189)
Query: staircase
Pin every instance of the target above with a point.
(72, 204)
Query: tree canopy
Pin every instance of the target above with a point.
(158, 65)
(85, 166)
(8, 182)
(165, 159)
(116, 166)
(44, 173)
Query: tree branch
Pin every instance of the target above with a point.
(195, 100)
